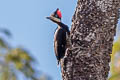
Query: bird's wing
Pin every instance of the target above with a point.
(59, 43)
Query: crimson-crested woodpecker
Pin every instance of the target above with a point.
(61, 35)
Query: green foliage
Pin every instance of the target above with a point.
(19, 57)
(21, 61)
(3, 44)
(115, 61)
(115, 77)
(14, 60)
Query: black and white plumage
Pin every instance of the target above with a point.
(61, 35)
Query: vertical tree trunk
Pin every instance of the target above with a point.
(93, 29)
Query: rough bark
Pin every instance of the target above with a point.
(92, 33)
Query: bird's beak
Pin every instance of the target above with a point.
(48, 17)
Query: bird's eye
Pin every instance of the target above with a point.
(56, 15)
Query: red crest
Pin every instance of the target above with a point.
(59, 13)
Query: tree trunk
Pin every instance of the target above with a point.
(92, 33)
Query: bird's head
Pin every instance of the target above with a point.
(56, 16)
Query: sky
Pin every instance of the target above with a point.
(31, 30)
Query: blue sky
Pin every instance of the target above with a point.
(31, 30)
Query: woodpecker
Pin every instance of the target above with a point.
(60, 36)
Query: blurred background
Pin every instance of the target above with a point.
(26, 39)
